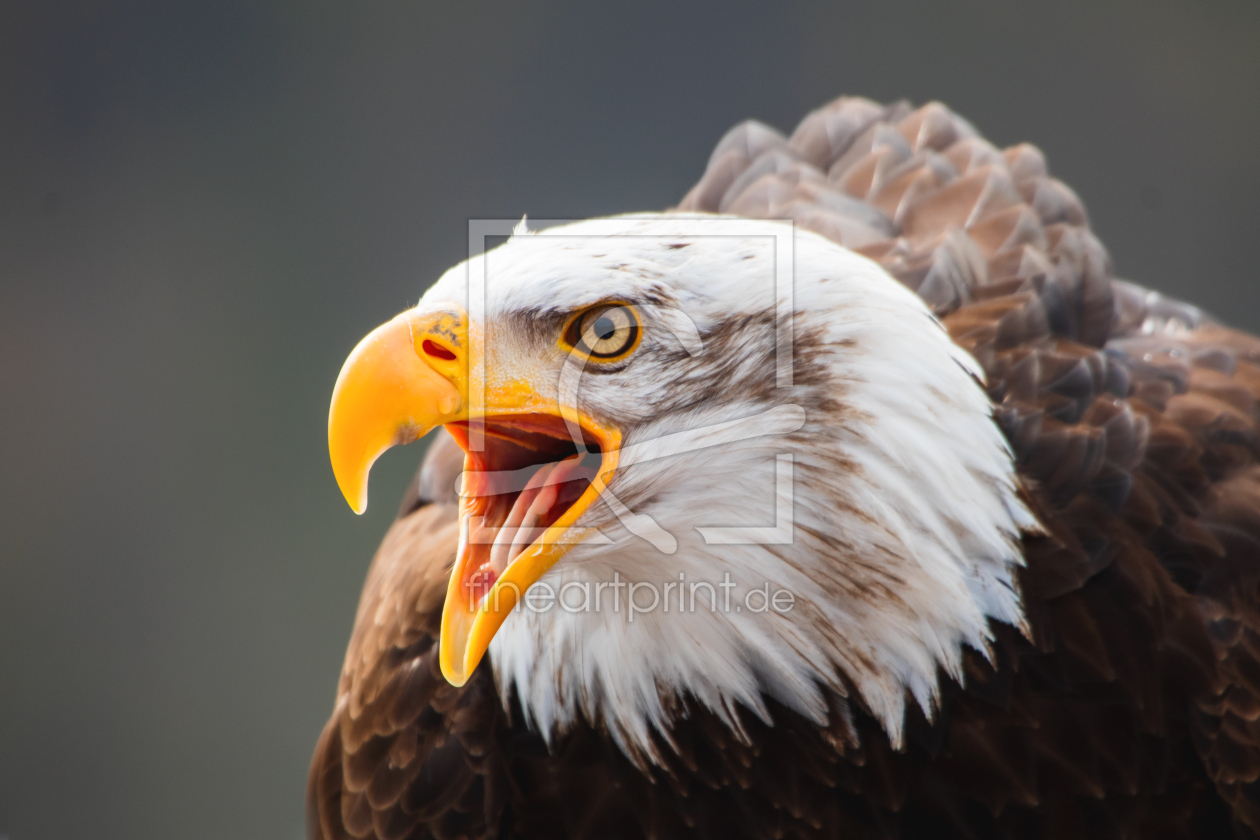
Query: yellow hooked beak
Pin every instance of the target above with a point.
(409, 376)
(400, 382)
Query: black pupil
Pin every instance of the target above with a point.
(604, 328)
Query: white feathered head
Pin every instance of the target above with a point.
(705, 457)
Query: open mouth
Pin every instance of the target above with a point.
(528, 475)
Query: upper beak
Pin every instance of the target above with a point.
(407, 377)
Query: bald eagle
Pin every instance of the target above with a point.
(853, 497)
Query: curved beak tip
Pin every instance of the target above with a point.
(357, 501)
(350, 470)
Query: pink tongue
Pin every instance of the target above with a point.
(530, 513)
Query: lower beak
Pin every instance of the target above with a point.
(404, 379)
(474, 612)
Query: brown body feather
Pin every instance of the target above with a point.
(1134, 711)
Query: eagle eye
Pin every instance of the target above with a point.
(606, 332)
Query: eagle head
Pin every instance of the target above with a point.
(706, 460)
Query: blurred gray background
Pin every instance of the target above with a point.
(204, 205)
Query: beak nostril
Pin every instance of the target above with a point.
(437, 351)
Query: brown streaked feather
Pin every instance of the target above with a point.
(1132, 709)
